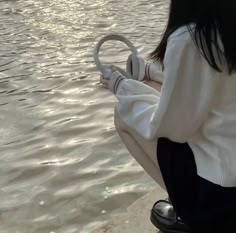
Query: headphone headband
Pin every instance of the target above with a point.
(108, 38)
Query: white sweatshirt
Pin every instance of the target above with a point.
(196, 105)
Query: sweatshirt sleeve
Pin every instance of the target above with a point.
(153, 72)
(186, 98)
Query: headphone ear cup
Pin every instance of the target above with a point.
(132, 66)
(135, 67)
(129, 66)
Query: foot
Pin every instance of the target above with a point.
(165, 219)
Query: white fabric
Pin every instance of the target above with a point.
(154, 72)
(196, 105)
(141, 72)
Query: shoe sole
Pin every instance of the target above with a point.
(164, 229)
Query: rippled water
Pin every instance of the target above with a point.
(63, 168)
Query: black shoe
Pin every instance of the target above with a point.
(165, 219)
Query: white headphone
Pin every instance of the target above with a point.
(135, 65)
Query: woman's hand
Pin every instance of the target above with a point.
(104, 81)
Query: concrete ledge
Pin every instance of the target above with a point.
(136, 219)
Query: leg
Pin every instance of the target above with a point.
(142, 150)
(149, 147)
(154, 85)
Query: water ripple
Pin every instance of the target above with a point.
(63, 167)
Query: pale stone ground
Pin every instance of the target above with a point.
(136, 218)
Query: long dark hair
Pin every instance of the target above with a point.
(213, 20)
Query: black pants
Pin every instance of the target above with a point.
(205, 207)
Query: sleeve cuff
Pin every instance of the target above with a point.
(115, 81)
(147, 72)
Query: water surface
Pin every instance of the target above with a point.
(63, 167)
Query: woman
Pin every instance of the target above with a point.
(184, 136)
